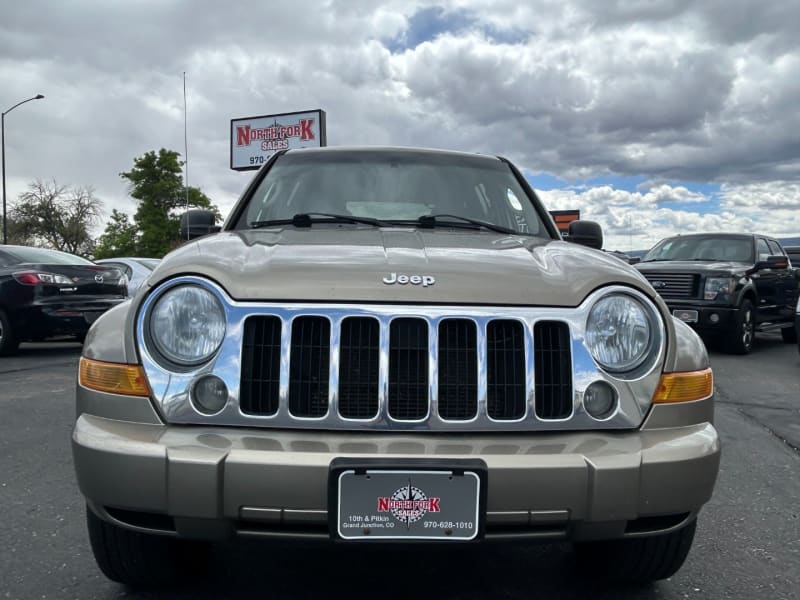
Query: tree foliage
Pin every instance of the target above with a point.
(156, 183)
(53, 215)
(119, 237)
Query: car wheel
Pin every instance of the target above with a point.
(638, 560)
(140, 559)
(8, 341)
(741, 339)
(789, 335)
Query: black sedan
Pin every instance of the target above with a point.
(46, 294)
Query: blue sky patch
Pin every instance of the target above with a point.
(429, 23)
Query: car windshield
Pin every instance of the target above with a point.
(44, 256)
(393, 187)
(703, 248)
(149, 263)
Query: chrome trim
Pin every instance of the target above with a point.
(170, 389)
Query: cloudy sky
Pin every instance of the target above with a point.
(650, 116)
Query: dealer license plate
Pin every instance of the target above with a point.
(687, 316)
(399, 504)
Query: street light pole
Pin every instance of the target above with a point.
(3, 153)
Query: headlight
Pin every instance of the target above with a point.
(619, 333)
(718, 285)
(187, 324)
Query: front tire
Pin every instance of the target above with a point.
(741, 339)
(638, 560)
(138, 559)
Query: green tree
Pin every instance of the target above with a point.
(118, 239)
(53, 215)
(155, 181)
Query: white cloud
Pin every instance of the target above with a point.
(670, 90)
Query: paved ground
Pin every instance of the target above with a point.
(747, 545)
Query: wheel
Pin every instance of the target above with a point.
(139, 559)
(740, 340)
(638, 560)
(789, 335)
(8, 341)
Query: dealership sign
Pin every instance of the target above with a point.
(255, 139)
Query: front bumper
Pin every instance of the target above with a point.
(213, 482)
(710, 319)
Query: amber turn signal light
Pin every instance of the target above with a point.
(114, 378)
(684, 387)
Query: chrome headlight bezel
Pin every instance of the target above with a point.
(203, 318)
(649, 326)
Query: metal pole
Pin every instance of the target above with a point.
(3, 152)
(185, 150)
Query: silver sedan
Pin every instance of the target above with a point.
(137, 269)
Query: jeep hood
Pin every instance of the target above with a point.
(327, 263)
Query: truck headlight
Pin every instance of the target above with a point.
(187, 324)
(718, 285)
(620, 332)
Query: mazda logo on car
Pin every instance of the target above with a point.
(98, 278)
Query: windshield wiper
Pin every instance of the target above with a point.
(431, 221)
(307, 219)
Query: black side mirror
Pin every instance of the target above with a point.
(586, 233)
(772, 262)
(197, 223)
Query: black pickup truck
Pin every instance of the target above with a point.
(726, 285)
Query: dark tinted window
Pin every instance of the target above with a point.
(762, 249)
(775, 248)
(393, 186)
(44, 256)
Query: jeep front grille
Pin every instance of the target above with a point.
(412, 343)
(674, 286)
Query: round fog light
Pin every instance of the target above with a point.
(714, 318)
(600, 400)
(209, 394)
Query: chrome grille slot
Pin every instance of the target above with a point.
(359, 355)
(458, 369)
(674, 286)
(309, 367)
(553, 369)
(505, 370)
(408, 369)
(261, 363)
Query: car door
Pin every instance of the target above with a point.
(767, 285)
(785, 285)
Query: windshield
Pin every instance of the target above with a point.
(394, 187)
(149, 263)
(43, 256)
(703, 248)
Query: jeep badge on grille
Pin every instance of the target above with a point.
(423, 280)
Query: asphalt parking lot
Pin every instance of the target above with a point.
(747, 544)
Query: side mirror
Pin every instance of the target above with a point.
(197, 223)
(586, 233)
(635, 260)
(772, 262)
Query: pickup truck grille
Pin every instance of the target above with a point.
(442, 367)
(674, 286)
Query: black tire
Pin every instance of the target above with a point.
(8, 341)
(789, 335)
(742, 337)
(638, 560)
(140, 559)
